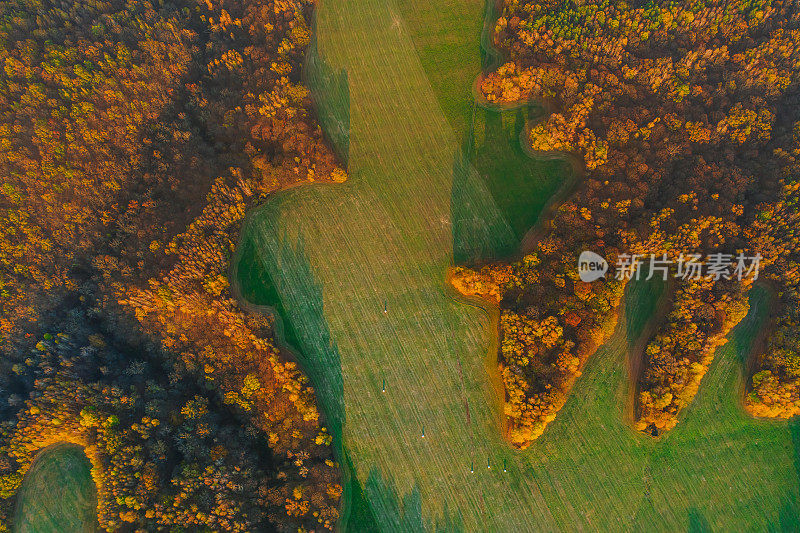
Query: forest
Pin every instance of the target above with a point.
(684, 119)
(134, 135)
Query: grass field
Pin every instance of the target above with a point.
(446, 37)
(58, 494)
(333, 257)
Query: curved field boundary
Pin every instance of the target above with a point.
(58, 493)
(336, 257)
(537, 110)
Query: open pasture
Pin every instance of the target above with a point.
(332, 258)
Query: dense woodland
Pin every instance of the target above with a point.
(133, 137)
(686, 120)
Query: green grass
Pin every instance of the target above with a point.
(446, 35)
(335, 255)
(58, 494)
(521, 186)
(447, 39)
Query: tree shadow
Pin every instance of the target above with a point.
(493, 167)
(752, 329)
(493, 162)
(404, 513)
(520, 185)
(330, 91)
(642, 299)
(647, 518)
(697, 522)
(284, 284)
(360, 517)
(285, 281)
(491, 58)
(479, 232)
(788, 518)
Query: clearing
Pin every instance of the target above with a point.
(58, 493)
(330, 257)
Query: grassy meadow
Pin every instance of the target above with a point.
(58, 493)
(434, 180)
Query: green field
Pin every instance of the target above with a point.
(58, 494)
(330, 258)
(446, 37)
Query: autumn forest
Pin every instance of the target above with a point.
(141, 139)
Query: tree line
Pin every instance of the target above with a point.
(685, 118)
(135, 135)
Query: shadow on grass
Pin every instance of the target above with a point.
(405, 513)
(698, 522)
(521, 186)
(493, 163)
(753, 326)
(293, 275)
(298, 284)
(330, 91)
(644, 297)
(258, 287)
(479, 232)
(491, 58)
(789, 520)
